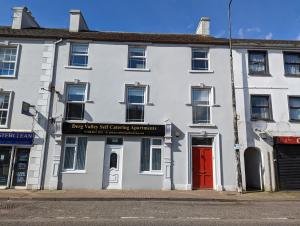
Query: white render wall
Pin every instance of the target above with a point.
(170, 81)
(279, 87)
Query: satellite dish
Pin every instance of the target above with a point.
(259, 125)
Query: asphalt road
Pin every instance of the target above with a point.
(149, 213)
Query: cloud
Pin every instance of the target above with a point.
(220, 34)
(253, 29)
(241, 33)
(269, 36)
(298, 37)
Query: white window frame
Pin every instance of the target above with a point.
(161, 155)
(8, 108)
(137, 57)
(16, 61)
(75, 154)
(79, 102)
(210, 104)
(199, 58)
(79, 54)
(144, 103)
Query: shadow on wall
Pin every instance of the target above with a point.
(253, 169)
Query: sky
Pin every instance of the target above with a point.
(262, 19)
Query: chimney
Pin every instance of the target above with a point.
(77, 22)
(22, 18)
(204, 26)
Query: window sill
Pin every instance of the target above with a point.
(202, 125)
(265, 120)
(292, 75)
(74, 172)
(137, 69)
(8, 76)
(133, 123)
(78, 67)
(294, 121)
(151, 173)
(260, 74)
(201, 71)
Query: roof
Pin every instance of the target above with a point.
(54, 33)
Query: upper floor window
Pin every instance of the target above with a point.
(75, 153)
(261, 107)
(135, 104)
(200, 60)
(294, 106)
(136, 57)
(201, 105)
(292, 63)
(151, 152)
(75, 103)
(4, 109)
(258, 62)
(79, 55)
(8, 58)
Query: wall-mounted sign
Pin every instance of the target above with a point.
(287, 140)
(16, 138)
(113, 129)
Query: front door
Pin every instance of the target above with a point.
(113, 167)
(202, 168)
(20, 167)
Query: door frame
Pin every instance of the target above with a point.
(120, 164)
(216, 158)
(12, 164)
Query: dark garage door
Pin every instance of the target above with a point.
(288, 165)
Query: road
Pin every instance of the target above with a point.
(149, 213)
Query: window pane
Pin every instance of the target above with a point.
(135, 113)
(199, 64)
(136, 51)
(114, 140)
(137, 63)
(292, 58)
(69, 157)
(200, 96)
(295, 114)
(260, 101)
(76, 92)
(77, 60)
(260, 113)
(7, 60)
(199, 53)
(81, 152)
(4, 100)
(292, 68)
(3, 117)
(156, 142)
(257, 57)
(294, 102)
(113, 160)
(80, 48)
(201, 141)
(75, 111)
(156, 159)
(145, 155)
(135, 95)
(70, 140)
(201, 114)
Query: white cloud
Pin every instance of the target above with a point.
(269, 36)
(298, 37)
(253, 29)
(241, 33)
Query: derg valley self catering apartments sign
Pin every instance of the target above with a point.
(113, 129)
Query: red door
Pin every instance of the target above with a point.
(202, 168)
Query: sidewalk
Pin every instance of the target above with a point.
(105, 195)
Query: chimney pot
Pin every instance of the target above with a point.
(203, 26)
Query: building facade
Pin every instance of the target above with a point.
(267, 90)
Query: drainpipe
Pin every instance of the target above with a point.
(235, 116)
(50, 106)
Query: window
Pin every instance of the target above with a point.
(135, 104)
(8, 58)
(201, 105)
(75, 153)
(294, 105)
(151, 155)
(114, 141)
(4, 108)
(261, 107)
(79, 55)
(292, 63)
(199, 59)
(258, 62)
(76, 96)
(113, 162)
(137, 57)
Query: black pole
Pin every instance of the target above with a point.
(235, 116)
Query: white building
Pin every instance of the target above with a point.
(267, 90)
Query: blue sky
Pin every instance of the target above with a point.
(264, 19)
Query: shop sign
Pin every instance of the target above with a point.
(16, 138)
(113, 129)
(287, 140)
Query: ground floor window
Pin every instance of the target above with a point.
(151, 152)
(75, 153)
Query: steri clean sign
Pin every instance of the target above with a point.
(287, 140)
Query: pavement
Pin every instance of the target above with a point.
(114, 195)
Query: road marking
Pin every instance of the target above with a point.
(276, 218)
(137, 217)
(204, 218)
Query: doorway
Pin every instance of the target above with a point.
(202, 163)
(13, 167)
